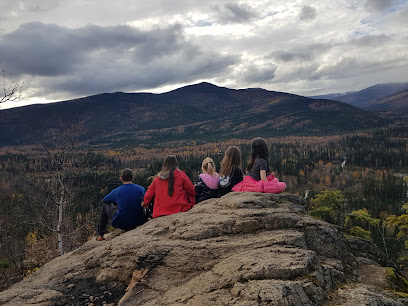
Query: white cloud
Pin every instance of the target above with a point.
(68, 48)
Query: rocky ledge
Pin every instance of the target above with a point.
(241, 249)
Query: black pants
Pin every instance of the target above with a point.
(108, 211)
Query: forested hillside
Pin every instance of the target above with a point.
(36, 181)
(200, 112)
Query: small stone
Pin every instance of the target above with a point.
(70, 286)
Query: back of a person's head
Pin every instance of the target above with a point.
(169, 163)
(208, 165)
(259, 149)
(231, 160)
(126, 175)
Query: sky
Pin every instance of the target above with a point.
(61, 50)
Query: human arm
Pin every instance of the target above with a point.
(188, 185)
(150, 193)
(110, 198)
(144, 192)
(263, 167)
(199, 187)
(239, 175)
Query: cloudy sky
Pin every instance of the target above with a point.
(74, 48)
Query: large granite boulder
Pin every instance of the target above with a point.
(241, 249)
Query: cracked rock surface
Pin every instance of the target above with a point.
(241, 249)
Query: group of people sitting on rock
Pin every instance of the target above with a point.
(171, 190)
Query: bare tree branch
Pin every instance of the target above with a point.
(11, 92)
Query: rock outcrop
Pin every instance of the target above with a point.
(241, 249)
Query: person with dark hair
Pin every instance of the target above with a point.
(123, 206)
(259, 176)
(230, 172)
(258, 163)
(172, 190)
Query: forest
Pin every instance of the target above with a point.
(51, 193)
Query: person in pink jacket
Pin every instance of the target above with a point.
(259, 176)
(208, 181)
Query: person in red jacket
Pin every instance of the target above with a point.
(172, 190)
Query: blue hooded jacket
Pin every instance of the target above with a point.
(130, 213)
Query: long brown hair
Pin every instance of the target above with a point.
(170, 164)
(259, 149)
(231, 160)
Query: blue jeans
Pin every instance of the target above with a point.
(108, 211)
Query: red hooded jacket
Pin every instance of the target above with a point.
(182, 200)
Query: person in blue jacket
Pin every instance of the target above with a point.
(122, 206)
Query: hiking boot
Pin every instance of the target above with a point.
(100, 238)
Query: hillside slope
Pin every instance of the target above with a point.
(196, 111)
(396, 103)
(363, 97)
(241, 249)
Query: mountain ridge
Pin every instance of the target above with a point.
(220, 112)
(396, 103)
(368, 98)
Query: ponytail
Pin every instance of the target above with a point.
(170, 164)
(208, 165)
(171, 182)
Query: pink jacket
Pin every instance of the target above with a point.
(271, 186)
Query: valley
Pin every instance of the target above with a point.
(314, 145)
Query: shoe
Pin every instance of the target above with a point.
(100, 238)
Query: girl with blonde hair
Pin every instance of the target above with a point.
(208, 181)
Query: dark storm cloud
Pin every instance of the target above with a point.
(93, 59)
(285, 56)
(259, 73)
(235, 13)
(307, 13)
(379, 5)
(370, 41)
(47, 49)
(300, 53)
(38, 49)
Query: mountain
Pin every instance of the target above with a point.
(200, 111)
(395, 103)
(242, 249)
(331, 96)
(364, 97)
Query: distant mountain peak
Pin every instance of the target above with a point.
(365, 97)
(202, 110)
